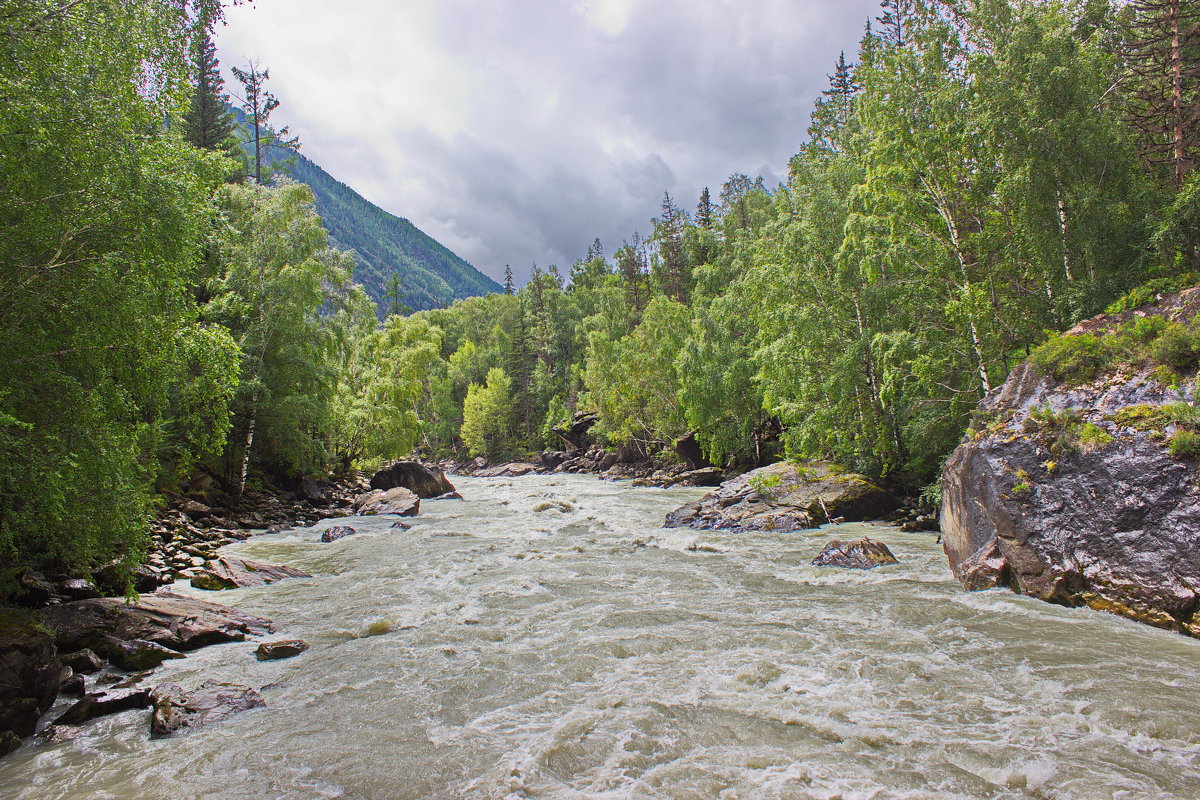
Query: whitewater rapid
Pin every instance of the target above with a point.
(547, 639)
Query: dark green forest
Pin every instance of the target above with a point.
(977, 176)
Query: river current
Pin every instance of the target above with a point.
(546, 639)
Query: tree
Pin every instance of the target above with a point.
(704, 211)
(209, 123)
(674, 272)
(509, 288)
(1163, 57)
(487, 411)
(258, 103)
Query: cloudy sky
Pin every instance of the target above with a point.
(516, 131)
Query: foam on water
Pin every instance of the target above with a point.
(546, 639)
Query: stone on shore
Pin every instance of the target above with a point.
(786, 497)
(228, 572)
(176, 711)
(156, 627)
(392, 501)
(101, 704)
(424, 481)
(861, 553)
(513, 470)
(30, 671)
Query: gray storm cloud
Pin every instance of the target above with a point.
(516, 131)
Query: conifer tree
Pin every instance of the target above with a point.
(509, 288)
(208, 120)
(258, 103)
(704, 210)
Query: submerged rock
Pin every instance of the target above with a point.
(422, 480)
(862, 553)
(393, 501)
(1074, 492)
(144, 634)
(176, 710)
(786, 497)
(449, 496)
(228, 572)
(30, 671)
(286, 648)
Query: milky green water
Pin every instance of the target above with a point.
(546, 639)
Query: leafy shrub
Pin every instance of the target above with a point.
(1177, 347)
(764, 484)
(1059, 430)
(1074, 359)
(1092, 437)
(1149, 291)
(1138, 343)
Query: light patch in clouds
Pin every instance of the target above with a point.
(516, 131)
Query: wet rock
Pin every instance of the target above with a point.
(687, 448)
(786, 497)
(9, 742)
(104, 703)
(74, 686)
(862, 553)
(30, 671)
(286, 648)
(77, 589)
(423, 481)
(513, 470)
(404, 526)
(33, 590)
(176, 711)
(194, 509)
(228, 572)
(709, 476)
(146, 579)
(575, 434)
(312, 491)
(392, 501)
(83, 661)
(449, 496)
(144, 634)
(332, 534)
(1112, 522)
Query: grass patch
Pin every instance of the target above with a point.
(1143, 342)
(1148, 292)
(1092, 438)
(1184, 444)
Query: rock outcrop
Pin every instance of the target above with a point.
(143, 635)
(1086, 490)
(285, 648)
(175, 710)
(786, 497)
(393, 501)
(30, 671)
(514, 470)
(862, 553)
(228, 572)
(424, 481)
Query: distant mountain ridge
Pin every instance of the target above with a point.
(431, 275)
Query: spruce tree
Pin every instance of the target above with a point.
(704, 210)
(258, 103)
(509, 288)
(208, 120)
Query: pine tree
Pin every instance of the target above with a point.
(208, 120)
(1163, 58)
(704, 210)
(509, 288)
(895, 21)
(258, 104)
(675, 277)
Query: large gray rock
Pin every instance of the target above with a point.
(786, 497)
(424, 481)
(1084, 505)
(176, 711)
(514, 470)
(99, 704)
(393, 501)
(30, 671)
(228, 572)
(141, 635)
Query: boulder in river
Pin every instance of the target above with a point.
(30, 671)
(335, 532)
(285, 648)
(514, 470)
(143, 634)
(228, 572)
(1077, 482)
(83, 661)
(392, 501)
(861, 553)
(100, 704)
(424, 481)
(786, 497)
(176, 710)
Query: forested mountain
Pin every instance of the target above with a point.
(430, 274)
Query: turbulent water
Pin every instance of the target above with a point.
(545, 639)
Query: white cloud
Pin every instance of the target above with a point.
(515, 131)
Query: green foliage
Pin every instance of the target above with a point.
(1092, 437)
(1184, 444)
(1140, 343)
(1073, 358)
(765, 484)
(1060, 431)
(487, 413)
(1149, 291)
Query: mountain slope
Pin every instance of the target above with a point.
(431, 275)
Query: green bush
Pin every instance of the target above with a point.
(1092, 437)
(1074, 359)
(1184, 444)
(1149, 291)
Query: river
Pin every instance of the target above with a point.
(546, 639)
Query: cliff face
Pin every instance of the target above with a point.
(1079, 481)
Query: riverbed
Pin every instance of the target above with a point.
(546, 638)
